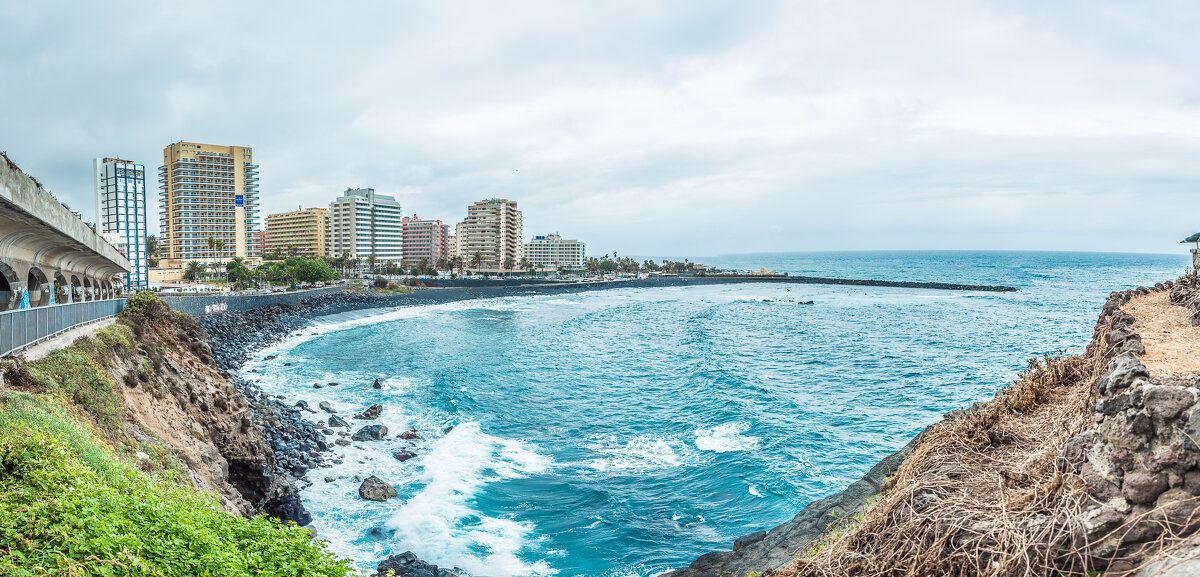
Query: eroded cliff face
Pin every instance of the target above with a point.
(174, 393)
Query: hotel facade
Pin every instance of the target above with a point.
(120, 187)
(208, 191)
(363, 223)
(493, 230)
(423, 240)
(306, 232)
(554, 252)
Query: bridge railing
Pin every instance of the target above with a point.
(25, 327)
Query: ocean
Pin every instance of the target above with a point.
(627, 431)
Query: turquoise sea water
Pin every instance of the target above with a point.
(626, 431)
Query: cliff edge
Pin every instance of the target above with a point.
(1087, 463)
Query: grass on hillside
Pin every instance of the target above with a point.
(71, 505)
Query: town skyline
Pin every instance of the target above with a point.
(625, 126)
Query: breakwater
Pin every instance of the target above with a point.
(713, 279)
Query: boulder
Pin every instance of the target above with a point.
(336, 421)
(1122, 373)
(328, 408)
(372, 433)
(378, 384)
(371, 413)
(408, 565)
(374, 489)
(410, 435)
(404, 455)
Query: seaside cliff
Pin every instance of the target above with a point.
(1086, 464)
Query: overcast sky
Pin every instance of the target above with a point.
(652, 128)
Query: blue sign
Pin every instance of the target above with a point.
(24, 299)
(238, 200)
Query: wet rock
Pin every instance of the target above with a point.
(336, 421)
(341, 442)
(372, 433)
(447, 429)
(378, 384)
(288, 508)
(316, 385)
(749, 540)
(404, 455)
(407, 565)
(374, 489)
(330, 479)
(328, 408)
(410, 435)
(371, 413)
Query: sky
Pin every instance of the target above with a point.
(685, 127)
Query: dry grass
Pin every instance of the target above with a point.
(1167, 332)
(980, 494)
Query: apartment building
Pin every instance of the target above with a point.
(492, 229)
(363, 223)
(555, 252)
(208, 201)
(120, 191)
(304, 232)
(423, 240)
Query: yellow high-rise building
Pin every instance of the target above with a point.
(306, 231)
(208, 202)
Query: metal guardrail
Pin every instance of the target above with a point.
(21, 328)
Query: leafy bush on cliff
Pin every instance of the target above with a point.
(78, 375)
(68, 506)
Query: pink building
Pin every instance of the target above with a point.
(423, 239)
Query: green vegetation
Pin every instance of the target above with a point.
(297, 269)
(79, 375)
(70, 507)
(76, 499)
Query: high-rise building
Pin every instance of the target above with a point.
(208, 202)
(423, 240)
(554, 252)
(363, 223)
(492, 230)
(304, 231)
(451, 245)
(256, 241)
(120, 187)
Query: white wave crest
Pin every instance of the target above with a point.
(726, 438)
(439, 525)
(641, 454)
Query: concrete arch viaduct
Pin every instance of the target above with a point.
(47, 254)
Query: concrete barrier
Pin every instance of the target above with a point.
(200, 305)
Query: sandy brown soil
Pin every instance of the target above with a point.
(1166, 330)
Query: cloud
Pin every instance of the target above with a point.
(649, 127)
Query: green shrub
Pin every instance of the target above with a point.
(145, 304)
(69, 507)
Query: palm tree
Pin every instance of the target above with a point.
(192, 271)
(525, 266)
(371, 262)
(509, 263)
(476, 259)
